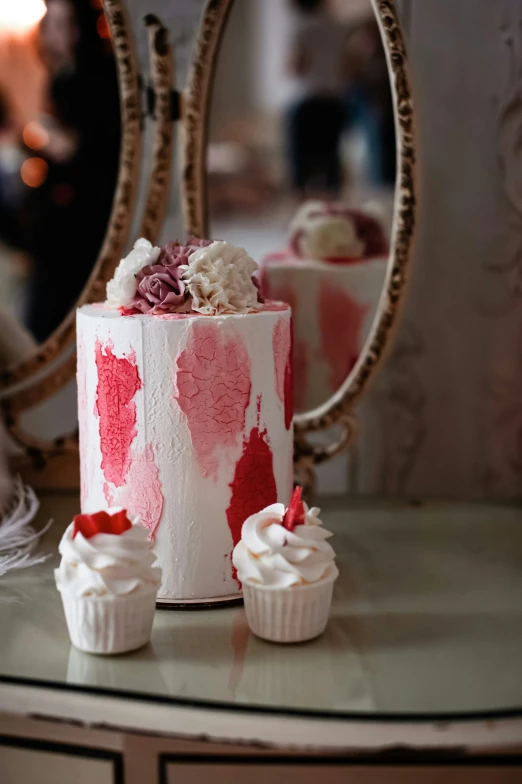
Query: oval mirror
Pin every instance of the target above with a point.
(299, 146)
(69, 160)
(301, 171)
(59, 149)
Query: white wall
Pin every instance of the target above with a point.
(250, 79)
(445, 416)
(234, 78)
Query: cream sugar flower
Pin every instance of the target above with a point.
(331, 237)
(121, 290)
(219, 279)
(325, 233)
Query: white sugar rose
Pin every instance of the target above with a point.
(330, 237)
(219, 279)
(121, 290)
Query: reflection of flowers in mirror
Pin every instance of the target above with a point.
(20, 15)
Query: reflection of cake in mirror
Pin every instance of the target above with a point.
(185, 406)
(332, 276)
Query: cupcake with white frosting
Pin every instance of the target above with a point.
(108, 582)
(287, 569)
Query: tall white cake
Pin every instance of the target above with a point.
(186, 420)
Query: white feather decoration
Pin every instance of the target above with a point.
(18, 539)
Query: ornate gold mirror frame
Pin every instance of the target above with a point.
(338, 409)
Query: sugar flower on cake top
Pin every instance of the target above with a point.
(207, 277)
(331, 231)
(121, 290)
(219, 278)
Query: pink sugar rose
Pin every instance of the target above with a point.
(160, 287)
(174, 253)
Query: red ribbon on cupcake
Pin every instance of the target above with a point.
(295, 514)
(101, 523)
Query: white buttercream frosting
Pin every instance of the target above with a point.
(121, 290)
(269, 554)
(107, 565)
(219, 279)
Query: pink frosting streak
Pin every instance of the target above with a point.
(340, 318)
(118, 382)
(142, 494)
(213, 390)
(282, 347)
(298, 371)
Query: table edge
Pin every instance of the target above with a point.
(216, 723)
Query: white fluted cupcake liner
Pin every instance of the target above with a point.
(99, 624)
(292, 614)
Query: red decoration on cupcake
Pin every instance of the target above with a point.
(295, 514)
(101, 523)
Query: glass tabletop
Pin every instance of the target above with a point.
(426, 622)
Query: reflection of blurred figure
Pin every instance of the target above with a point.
(67, 214)
(369, 99)
(6, 133)
(316, 119)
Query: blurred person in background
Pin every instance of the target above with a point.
(66, 214)
(316, 116)
(368, 99)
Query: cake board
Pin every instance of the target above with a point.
(213, 603)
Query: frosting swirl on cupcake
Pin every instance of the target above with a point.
(106, 564)
(270, 554)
